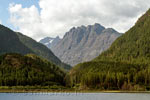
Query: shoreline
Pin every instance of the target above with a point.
(66, 91)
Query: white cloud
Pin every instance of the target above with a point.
(57, 16)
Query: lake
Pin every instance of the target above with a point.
(74, 96)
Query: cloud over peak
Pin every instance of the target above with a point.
(56, 17)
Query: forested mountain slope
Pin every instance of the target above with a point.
(18, 70)
(12, 42)
(125, 65)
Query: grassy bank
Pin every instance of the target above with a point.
(57, 89)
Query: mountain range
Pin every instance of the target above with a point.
(83, 43)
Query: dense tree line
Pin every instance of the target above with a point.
(110, 76)
(18, 70)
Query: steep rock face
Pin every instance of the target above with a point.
(84, 43)
(50, 42)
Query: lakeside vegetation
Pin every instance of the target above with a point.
(46, 89)
(110, 76)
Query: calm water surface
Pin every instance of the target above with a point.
(74, 96)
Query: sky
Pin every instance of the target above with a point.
(42, 18)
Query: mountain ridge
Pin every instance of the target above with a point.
(84, 43)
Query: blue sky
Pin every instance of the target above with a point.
(4, 12)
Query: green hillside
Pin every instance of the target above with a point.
(124, 66)
(41, 50)
(18, 70)
(134, 45)
(12, 42)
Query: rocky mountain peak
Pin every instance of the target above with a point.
(49, 41)
(84, 43)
